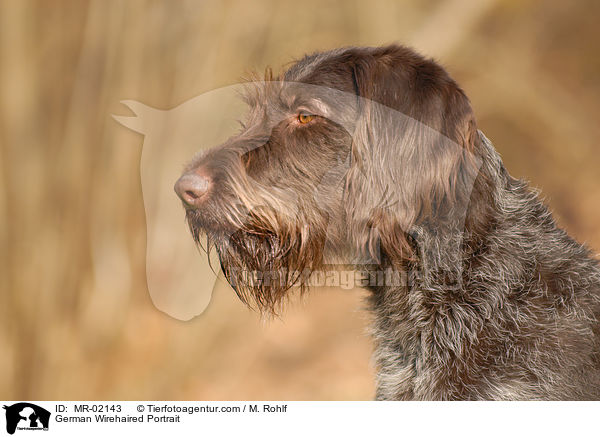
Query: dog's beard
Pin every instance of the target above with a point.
(260, 264)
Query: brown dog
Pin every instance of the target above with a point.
(371, 157)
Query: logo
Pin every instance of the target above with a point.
(26, 416)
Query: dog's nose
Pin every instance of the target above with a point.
(190, 188)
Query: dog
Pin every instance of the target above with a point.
(371, 158)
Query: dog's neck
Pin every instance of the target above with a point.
(428, 322)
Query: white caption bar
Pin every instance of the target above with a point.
(22, 418)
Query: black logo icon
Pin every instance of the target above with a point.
(26, 416)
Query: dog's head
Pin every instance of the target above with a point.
(345, 154)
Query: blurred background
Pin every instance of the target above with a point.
(76, 320)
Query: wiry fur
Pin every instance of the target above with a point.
(501, 303)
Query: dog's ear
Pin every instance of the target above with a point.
(413, 160)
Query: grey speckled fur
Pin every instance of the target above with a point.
(523, 325)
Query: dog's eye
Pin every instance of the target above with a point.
(305, 117)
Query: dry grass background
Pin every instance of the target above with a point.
(76, 319)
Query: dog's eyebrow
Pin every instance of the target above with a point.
(322, 108)
(312, 105)
(294, 98)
